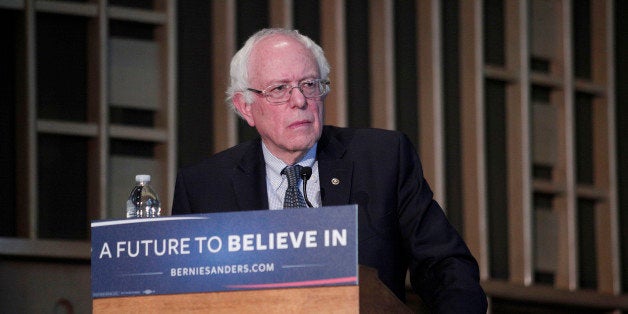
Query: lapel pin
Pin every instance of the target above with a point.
(335, 181)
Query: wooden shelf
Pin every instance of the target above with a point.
(500, 73)
(591, 192)
(67, 128)
(138, 133)
(547, 187)
(137, 15)
(54, 106)
(12, 4)
(45, 248)
(546, 80)
(67, 8)
(590, 88)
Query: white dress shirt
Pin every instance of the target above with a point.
(276, 184)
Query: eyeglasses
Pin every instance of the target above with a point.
(280, 93)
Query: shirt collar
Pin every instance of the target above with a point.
(277, 164)
(274, 165)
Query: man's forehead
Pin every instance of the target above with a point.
(276, 51)
(276, 43)
(280, 44)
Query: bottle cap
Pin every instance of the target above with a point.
(142, 178)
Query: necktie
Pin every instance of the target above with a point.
(293, 197)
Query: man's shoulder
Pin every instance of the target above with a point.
(364, 143)
(349, 134)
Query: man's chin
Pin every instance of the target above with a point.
(301, 146)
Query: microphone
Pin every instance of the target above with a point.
(306, 173)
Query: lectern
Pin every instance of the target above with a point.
(297, 261)
(371, 296)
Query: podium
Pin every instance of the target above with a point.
(263, 261)
(371, 296)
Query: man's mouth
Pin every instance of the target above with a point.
(299, 123)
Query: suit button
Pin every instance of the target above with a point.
(335, 181)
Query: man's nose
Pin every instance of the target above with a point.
(297, 98)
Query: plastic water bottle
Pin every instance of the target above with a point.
(143, 201)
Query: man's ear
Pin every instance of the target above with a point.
(243, 108)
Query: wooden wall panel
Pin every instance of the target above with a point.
(223, 28)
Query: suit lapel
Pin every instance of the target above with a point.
(249, 179)
(335, 173)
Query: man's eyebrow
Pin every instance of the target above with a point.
(280, 82)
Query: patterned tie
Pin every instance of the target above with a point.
(293, 198)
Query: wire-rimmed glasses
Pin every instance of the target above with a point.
(280, 93)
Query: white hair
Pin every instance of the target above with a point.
(239, 72)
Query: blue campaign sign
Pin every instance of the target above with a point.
(225, 251)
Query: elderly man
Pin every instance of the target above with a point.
(279, 80)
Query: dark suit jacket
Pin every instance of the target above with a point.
(400, 225)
